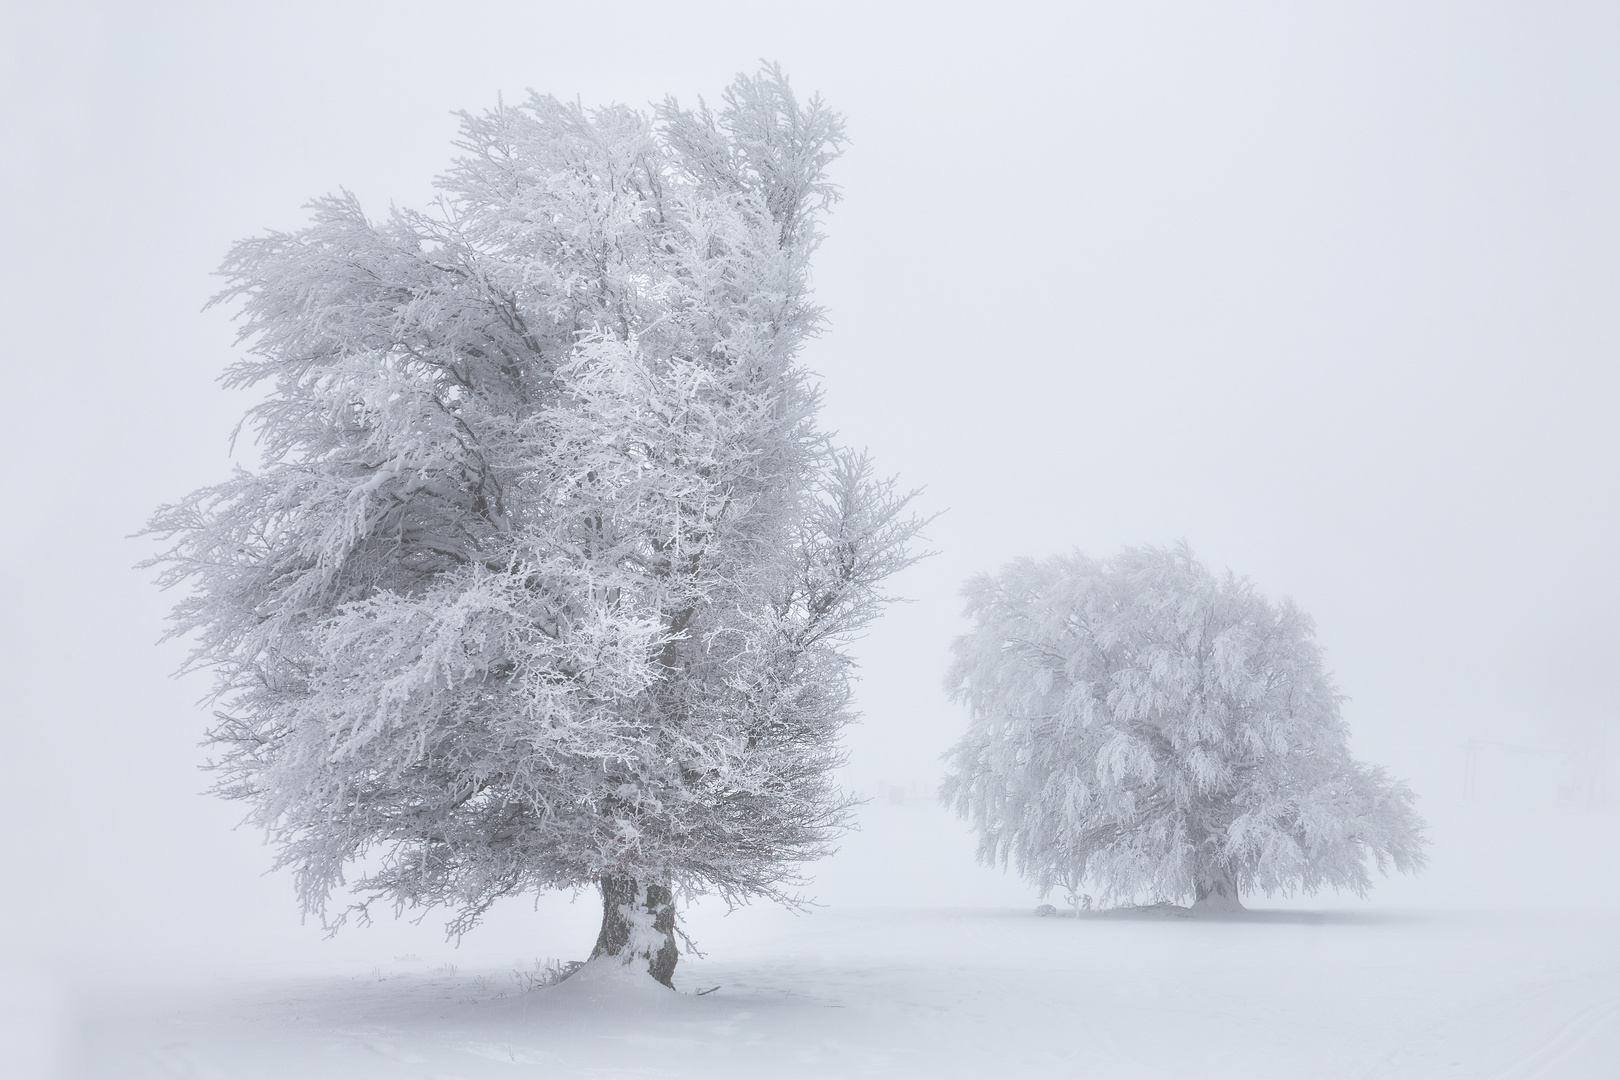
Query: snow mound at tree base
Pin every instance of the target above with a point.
(1217, 904)
(609, 983)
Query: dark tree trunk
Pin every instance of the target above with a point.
(1216, 891)
(638, 925)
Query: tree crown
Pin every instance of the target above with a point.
(1150, 727)
(547, 573)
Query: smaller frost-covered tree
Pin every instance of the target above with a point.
(1145, 726)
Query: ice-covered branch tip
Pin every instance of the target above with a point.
(764, 139)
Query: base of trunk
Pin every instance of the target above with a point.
(1218, 893)
(638, 926)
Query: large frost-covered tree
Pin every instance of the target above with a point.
(1140, 725)
(547, 575)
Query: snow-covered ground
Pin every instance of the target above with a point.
(939, 992)
(919, 965)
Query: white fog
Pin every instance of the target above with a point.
(1327, 293)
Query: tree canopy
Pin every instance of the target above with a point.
(1144, 726)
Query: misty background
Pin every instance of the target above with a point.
(1329, 293)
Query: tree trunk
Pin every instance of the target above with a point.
(1217, 891)
(638, 926)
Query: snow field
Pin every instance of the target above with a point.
(954, 993)
(920, 964)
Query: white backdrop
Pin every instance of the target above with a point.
(1331, 294)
